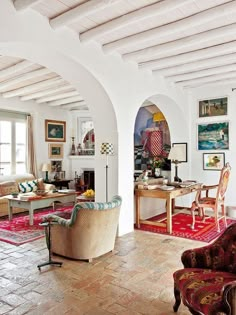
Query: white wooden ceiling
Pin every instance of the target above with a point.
(189, 42)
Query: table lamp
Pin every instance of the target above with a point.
(177, 155)
(107, 148)
(46, 168)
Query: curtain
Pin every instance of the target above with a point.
(31, 161)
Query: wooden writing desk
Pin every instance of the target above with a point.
(169, 195)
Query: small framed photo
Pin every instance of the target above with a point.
(55, 130)
(184, 150)
(213, 161)
(55, 151)
(56, 166)
(213, 136)
(213, 107)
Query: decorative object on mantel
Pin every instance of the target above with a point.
(73, 146)
(46, 168)
(107, 149)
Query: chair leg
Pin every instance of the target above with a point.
(223, 214)
(193, 216)
(177, 299)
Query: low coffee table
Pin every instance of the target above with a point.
(43, 202)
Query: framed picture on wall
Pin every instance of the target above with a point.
(55, 151)
(213, 107)
(213, 161)
(56, 166)
(213, 136)
(55, 130)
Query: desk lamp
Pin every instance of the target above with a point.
(46, 168)
(177, 155)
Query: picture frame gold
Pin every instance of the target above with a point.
(55, 150)
(55, 130)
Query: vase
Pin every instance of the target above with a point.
(157, 172)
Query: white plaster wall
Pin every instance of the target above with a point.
(197, 172)
(113, 89)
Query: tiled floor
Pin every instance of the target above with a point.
(135, 279)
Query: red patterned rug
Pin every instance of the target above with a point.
(181, 222)
(18, 231)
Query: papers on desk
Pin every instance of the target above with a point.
(66, 191)
(164, 187)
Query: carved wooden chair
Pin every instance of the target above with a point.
(214, 203)
(207, 283)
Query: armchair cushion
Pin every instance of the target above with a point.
(202, 288)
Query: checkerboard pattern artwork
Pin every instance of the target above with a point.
(107, 148)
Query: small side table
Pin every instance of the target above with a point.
(47, 225)
(59, 183)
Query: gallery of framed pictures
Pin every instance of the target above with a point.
(55, 130)
(55, 150)
(213, 107)
(213, 161)
(213, 136)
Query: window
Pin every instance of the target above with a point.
(12, 143)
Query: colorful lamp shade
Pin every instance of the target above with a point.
(107, 148)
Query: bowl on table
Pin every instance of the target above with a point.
(41, 192)
(15, 194)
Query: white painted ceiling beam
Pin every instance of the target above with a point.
(156, 9)
(80, 11)
(57, 97)
(190, 57)
(197, 65)
(172, 28)
(33, 87)
(180, 45)
(210, 78)
(72, 105)
(27, 76)
(220, 82)
(65, 101)
(46, 92)
(202, 73)
(15, 68)
(24, 4)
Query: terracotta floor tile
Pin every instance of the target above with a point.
(128, 281)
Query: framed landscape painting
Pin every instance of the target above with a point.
(213, 107)
(55, 130)
(214, 136)
(213, 161)
(55, 151)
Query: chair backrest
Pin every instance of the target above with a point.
(223, 182)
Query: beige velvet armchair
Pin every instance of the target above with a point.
(89, 232)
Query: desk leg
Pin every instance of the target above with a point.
(169, 215)
(137, 205)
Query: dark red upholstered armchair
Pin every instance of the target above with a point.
(207, 284)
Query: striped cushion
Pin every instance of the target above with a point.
(28, 186)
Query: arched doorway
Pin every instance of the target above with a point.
(151, 142)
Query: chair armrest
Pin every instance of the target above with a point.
(55, 218)
(197, 257)
(205, 189)
(228, 296)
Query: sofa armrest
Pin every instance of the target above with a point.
(56, 219)
(198, 257)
